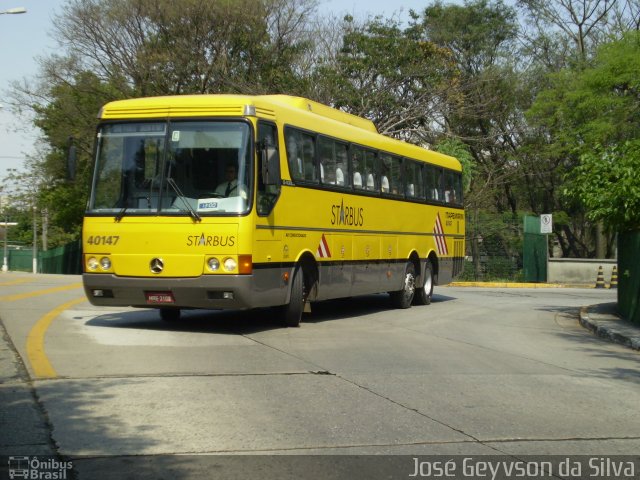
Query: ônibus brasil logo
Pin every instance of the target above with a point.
(39, 469)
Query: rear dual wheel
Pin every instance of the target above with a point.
(404, 297)
(423, 294)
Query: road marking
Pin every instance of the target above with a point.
(40, 364)
(15, 282)
(21, 296)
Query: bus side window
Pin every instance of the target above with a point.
(309, 158)
(458, 187)
(327, 161)
(390, 177)
(342, 167)
(396, 176)
(370, 168)
(267, 195)
(453, 188)
(434, 183)
(413, 177)
(294, 153)
(357, 167)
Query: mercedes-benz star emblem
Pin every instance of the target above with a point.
(157, 265)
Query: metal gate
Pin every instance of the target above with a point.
(534, 255)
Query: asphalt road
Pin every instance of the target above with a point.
(480, 371)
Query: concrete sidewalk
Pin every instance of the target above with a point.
(604, 321)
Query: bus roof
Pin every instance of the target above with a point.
(295, 111)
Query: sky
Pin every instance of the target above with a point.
(25, 37)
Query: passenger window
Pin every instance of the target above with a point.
(309, 158)
(390, 175)
(433, 183)
(452, 187)
(327, 161)
(357, 167)
(342, 166)
(294, 154)
(301, 156)
(370, 178)
(414, 187)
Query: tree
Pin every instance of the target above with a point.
(603, 110)
(582, 21)
(192, 46)
(390, 75)
(112, 49)
(487, 115)
(607, 181)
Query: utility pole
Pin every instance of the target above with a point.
(35, 240)
(45, 229)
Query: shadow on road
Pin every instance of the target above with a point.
(245, 322)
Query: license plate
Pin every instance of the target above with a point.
(159, 297)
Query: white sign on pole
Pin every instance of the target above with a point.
(546, 223)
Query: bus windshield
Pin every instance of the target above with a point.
(180, 168)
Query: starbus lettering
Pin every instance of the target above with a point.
(211, 240)
(346, 215)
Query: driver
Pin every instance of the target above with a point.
(230, 187)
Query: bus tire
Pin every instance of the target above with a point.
(170, 314)
(292, 312)
(423, 295)
(403, 298)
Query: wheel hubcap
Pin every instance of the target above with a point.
(409, 285)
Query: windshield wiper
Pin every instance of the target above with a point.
(181, 196)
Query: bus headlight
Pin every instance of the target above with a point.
(92, 263)
(230, 264)
(213, 264)
(105, 263)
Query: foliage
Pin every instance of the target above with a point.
(582, 22)
(457, 149)
(481, 37)
(540, 104)
(151, 47)
(607, 181)
(594, 114)
(402, 90)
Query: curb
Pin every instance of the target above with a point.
(613, 329)
(516, 285)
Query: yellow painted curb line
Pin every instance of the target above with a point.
(21, 296)
(35, 341)
(505, 285)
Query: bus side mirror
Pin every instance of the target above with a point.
(72, 160)
(270, 165)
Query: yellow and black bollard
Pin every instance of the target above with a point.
(614, 277)
(600, 278)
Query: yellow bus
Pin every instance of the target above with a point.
(238, 202)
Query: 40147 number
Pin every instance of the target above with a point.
(103, 239)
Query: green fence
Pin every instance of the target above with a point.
(629, 275)
(63, 260)
(494, 248)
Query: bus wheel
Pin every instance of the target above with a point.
(292, 312)
(170, 314)
(403, 298)
(423, 295)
